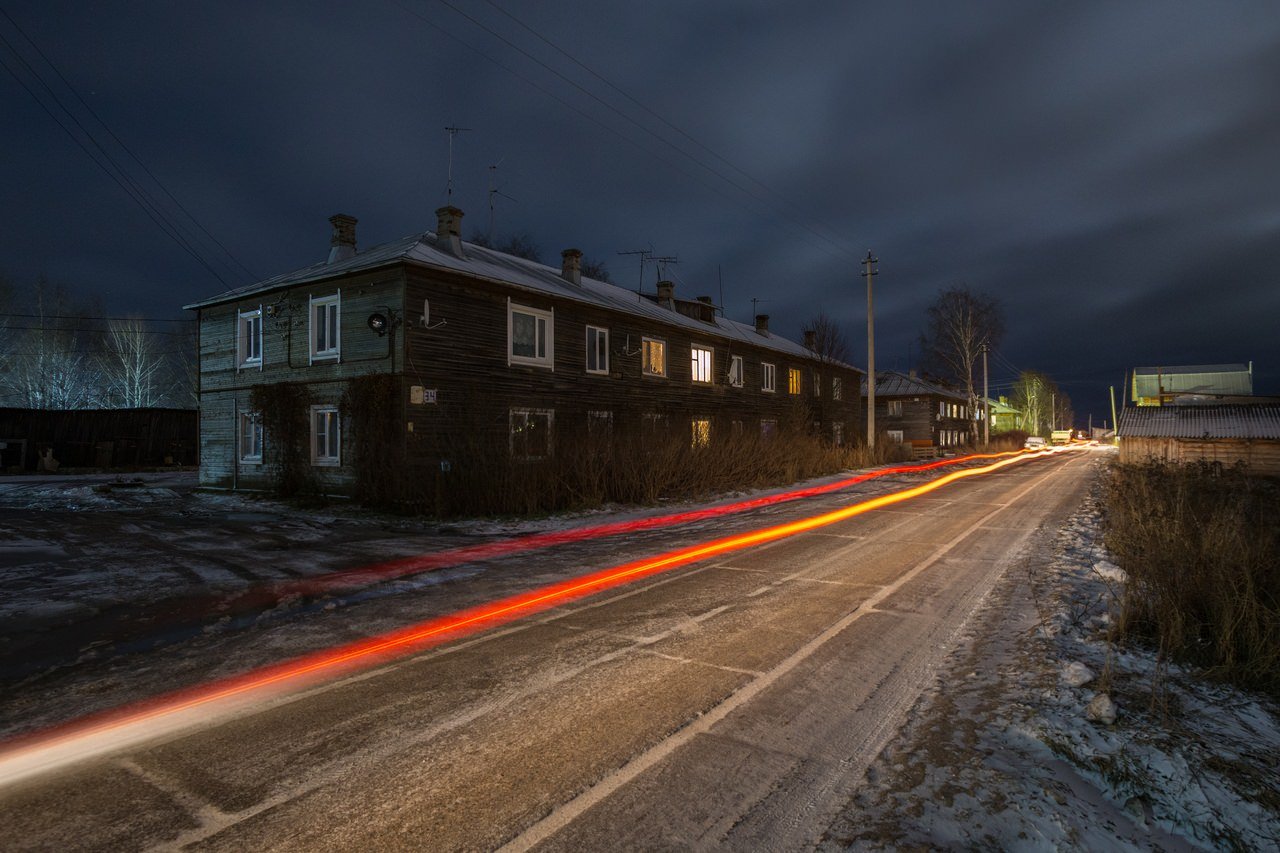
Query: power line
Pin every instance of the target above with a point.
(91, 317)
(103, 158)
(827, 243)
(774, 193)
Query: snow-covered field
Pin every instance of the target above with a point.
(1012, 749)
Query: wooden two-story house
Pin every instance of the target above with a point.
(911, 411)
(491, 351)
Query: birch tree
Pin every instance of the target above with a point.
(961, 323)
(132, 365)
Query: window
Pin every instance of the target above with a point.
(326, 329)
(654, 353)
(793, 380)
(735, 371)
(942, 410)
(531, 433)
(326, 436)
(700, 363)
(249, 339)
(597, 350)
(895, 435)
(768, 377)
(768, 428)
(530, 336)
(701, 432)
(837, 388)
(653, 425)
(895, 408)
(599, 425)
(817, 384)
(250, 437)
(837, 434)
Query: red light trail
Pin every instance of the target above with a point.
(137, 722)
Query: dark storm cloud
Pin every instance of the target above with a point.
(1104, 169)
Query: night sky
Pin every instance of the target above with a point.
(1108, 171)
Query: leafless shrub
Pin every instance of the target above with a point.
(1201, 547)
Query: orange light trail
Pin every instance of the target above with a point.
(136, 722)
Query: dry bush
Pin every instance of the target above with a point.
(1201, 546)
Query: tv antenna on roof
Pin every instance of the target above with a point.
(646, 255)
(448, 188)
(662, 263)
(493, 191)
(754, 302)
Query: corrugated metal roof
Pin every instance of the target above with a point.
(495, 266)
(1203, 422)
(1193, 379)
(890, 383)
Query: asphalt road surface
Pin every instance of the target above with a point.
(731, 704)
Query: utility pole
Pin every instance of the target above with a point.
(869, 262)
(1115, 425)
(986, 400)
(1053, 412)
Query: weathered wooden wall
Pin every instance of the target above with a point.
(1261, 455)
(919, 421)
(225, 388)
(462, 357)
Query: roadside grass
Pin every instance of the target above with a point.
(1201, 547)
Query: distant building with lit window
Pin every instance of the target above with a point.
(929, 418)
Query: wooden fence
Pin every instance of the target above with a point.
(98, 438)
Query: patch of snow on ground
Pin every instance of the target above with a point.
(1003, 755)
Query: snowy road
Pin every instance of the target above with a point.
(733, 703)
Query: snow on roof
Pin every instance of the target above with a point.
(1245, 421)
(890, 383)
(499, 267)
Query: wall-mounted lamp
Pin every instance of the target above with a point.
(378, 322)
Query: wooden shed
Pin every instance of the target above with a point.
(1225, 434)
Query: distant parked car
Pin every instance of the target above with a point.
(1035, 442)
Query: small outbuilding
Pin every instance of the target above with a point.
(1228, 434)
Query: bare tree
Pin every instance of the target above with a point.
(1044, 406)
(131, 364)
(961, 323)
(521, 245)
(46, 365)
(592, 268)
(829, 341)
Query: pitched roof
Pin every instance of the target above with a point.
(492, 265)
(890, 383)
(1246, 421)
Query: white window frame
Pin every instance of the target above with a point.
(598, 346)
(645, 344)
(735, 371)
(542, 320)
(599, 424)
(768, 377)
(333, 436)
(701, 363)
(525, 412)
(245, 341)
(837, 433)
(333, 325)
(817, 384)
(837, 388)
(893, 408)
(768, 429)
(252, 453)
(895, 435)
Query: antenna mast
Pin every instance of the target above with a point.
(448, 188)
(645, 256)
(494, 191)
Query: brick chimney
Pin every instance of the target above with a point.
(810, 339)
(762, 324)
(666, 292)
(449, 231)
(342, 244)
(571, 266)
